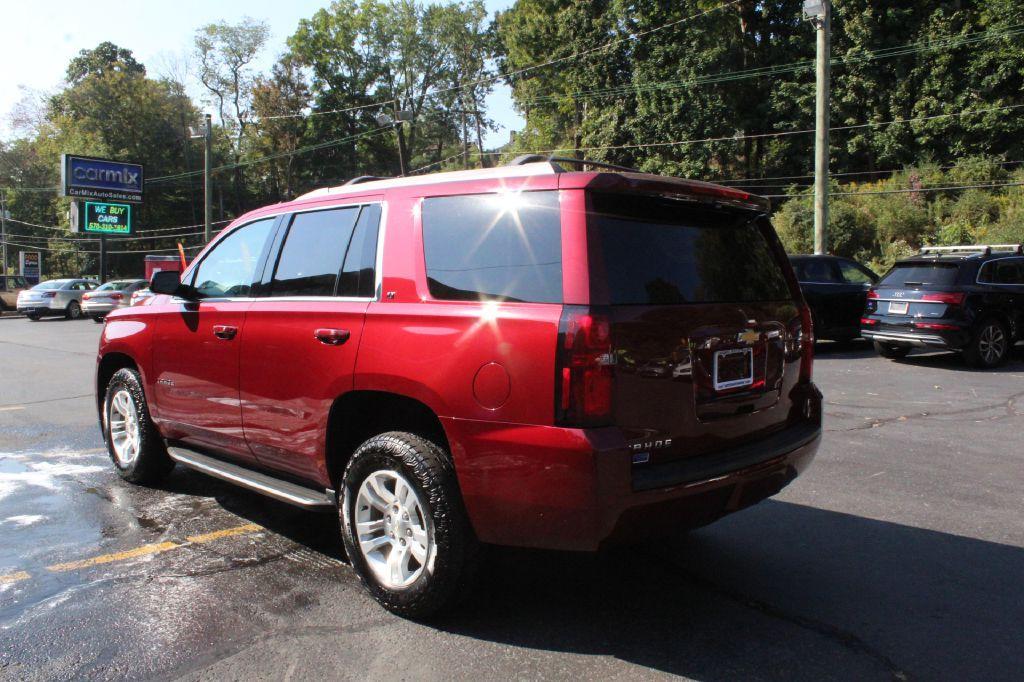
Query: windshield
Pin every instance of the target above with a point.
(653, 251)
(921, 274)
(52, 284)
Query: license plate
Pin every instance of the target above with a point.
(734, 368)
(898, 307)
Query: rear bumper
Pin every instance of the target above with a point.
(38, 309)
(907, 336)
(90, 308)
(572, 489)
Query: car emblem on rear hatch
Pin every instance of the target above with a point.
(748, 336)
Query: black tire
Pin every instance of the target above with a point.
(152, 462)
(33, 316)
(888, 350)
(98, 319)
(453, 553)
(73, 311)
(989, 346)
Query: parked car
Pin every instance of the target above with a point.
(110, 296)
(140, 296)
(836, 289)
(961, 298)
(10, 287)
(433, 358)
(55, 297)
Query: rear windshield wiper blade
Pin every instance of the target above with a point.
(913, 284)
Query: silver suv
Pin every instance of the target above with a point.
(55, 297)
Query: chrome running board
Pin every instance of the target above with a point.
(285, 491)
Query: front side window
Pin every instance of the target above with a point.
(505, 246)
(1008, 272)
(230, 268)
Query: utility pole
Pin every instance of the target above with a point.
(383, 119)
(205, 131)
(819, 12)
(3, 226)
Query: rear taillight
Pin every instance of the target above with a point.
(948, 299)
(936, 326)
(117, 296)
(806, 345)
(49, 294)
(86, 297)
(583, 390)
(872, 294)
(868, 322)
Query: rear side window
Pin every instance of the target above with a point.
(1002, 271)
(358, 271)
(505, 246)
(313, 252)
(652, 251)
(921, 274)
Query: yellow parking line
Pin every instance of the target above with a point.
(12, 408)
(227, 532)
(13, 577)
(116, 556)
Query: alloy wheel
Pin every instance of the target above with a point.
(392, 529)
(123, 419)
(992, 344)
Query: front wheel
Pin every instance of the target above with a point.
(404, 526)
(134, 445)
(888, 350)
(990, 345)
(74, 311)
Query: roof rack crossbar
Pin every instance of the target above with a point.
(556, 160)
(985, 249)
(365, 178)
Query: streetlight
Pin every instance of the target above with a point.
(819, 13)
(204, 130)
(384, 119)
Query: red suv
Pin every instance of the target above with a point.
(518, 355)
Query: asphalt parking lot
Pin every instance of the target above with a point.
(900, 554)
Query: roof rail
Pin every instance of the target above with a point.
(365, 178)
(556, 160)
(984, 249)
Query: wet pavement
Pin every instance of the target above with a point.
(900, 554)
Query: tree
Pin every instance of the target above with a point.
(275, 100)
(224, 54)
(103, 59)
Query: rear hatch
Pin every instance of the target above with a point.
(704, 323)
(914, 292)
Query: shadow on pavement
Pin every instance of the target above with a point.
(780, 592)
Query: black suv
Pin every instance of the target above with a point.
(962, 298)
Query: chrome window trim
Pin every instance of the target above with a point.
(977, 278)
(378, 266)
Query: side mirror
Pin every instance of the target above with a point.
(169, 282)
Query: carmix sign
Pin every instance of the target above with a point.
(84, 177)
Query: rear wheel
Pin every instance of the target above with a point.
(404, 526)
(134, 445)
(98, 319)
(893, 352)
(74, 311)
(33, 316)
(990, 345)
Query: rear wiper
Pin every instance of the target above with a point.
(913, 284)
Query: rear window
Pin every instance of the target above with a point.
(921, 274)
(505, 246)
(52, 284)
(651, 251)
(115, 286)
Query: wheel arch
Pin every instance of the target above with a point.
(358, 415)
(108, 365)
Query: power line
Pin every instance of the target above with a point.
(992, 185)
(782, 133)
(776, 70)
(851, 173)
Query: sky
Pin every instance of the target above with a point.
(158, 32)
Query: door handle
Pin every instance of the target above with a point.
(332, 337)
(224, 331)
